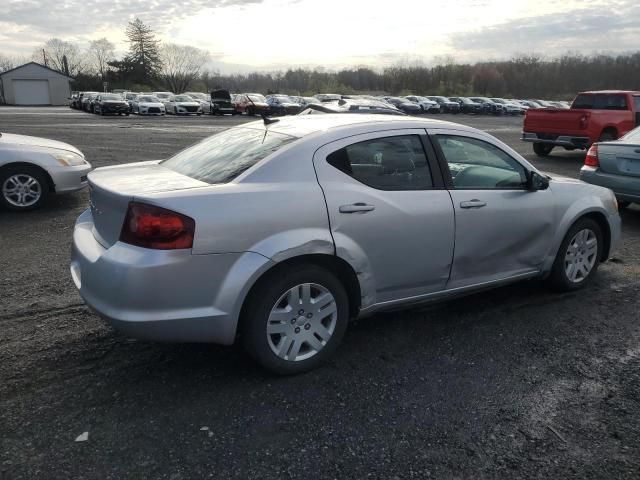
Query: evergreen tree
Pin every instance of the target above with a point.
(143, 51)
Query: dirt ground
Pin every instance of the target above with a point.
(515, 383)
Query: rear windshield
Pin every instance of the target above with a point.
(600, 101)
(633, 135)
(222, 157)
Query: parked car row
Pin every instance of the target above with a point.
(222, 102)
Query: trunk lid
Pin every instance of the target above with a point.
(619, 158)
(551, 120)
(112, 188)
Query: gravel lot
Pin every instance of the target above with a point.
(515, 383)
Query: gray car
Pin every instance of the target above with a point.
(616, 165)
(279, 232)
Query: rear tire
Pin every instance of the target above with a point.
(280, 319)
(542, 149)
(607, 136)
(578, 258)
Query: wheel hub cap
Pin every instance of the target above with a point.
(302, 322)
(21, 190)
(581, 255)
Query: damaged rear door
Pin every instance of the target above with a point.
(391, 217)
(502, 228)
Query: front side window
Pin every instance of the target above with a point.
(388, 163)
(222, 157)
(476, 164)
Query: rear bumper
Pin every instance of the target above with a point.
(556, 139)
(625, 187)
(162, 295)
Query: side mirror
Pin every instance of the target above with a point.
(536, 182)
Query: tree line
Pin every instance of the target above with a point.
(150, 64)
(523, 76)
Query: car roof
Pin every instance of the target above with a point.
(303, 125)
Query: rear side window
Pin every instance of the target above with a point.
(601, 101)
(388, 163)
(222, 157)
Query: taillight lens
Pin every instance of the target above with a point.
(591, 160)
(154, 227)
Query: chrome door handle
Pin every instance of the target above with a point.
(473, 204)
(356, 208)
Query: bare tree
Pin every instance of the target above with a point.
(181, 65)
(53, 55)
(7, 63)
(101, 52)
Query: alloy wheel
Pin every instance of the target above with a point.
(302, 322)
(21, 190)
(581, 255)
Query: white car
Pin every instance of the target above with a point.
(203, 98)
(427, 105)
(147, 105)
(31, 168)
(183, 105)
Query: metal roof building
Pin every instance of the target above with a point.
(34, 84)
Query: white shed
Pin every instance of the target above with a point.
(34, 84)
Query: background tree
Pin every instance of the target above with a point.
(143, 51)
(7, 63)
(181, 65)
(55, 51)
(100, 53)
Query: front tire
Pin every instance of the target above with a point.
(295, 320)
(578, 257)
(23, 188)
(542, 149)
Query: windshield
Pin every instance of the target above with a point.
(111, 96)
(283, 99)
(257, 98)
(182, 98)
(222, 157)
(163, 95)
(148, 99)
(200, 96)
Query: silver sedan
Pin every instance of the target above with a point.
(279, 232)
(31, 168)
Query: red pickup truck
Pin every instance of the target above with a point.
(593, 117)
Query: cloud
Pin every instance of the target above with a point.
(613, 29)
(79, 18)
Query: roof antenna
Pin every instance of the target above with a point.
(267, 120)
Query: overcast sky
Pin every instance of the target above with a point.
(248, 34)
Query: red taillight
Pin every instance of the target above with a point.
(158, 228)
(591, 160)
